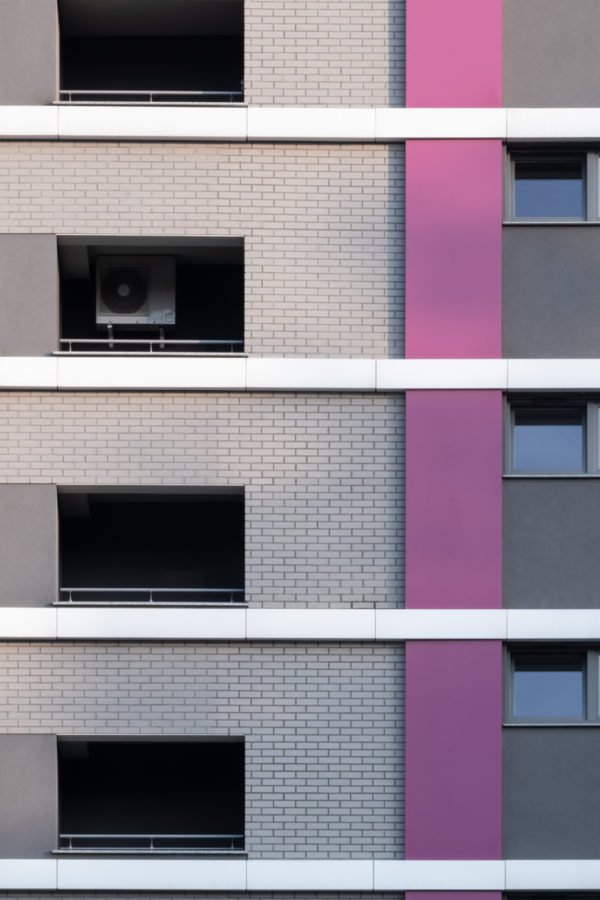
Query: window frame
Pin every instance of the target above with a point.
(591, 684)
(591, 178)
(591, 443)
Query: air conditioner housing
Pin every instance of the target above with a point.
(135, 291)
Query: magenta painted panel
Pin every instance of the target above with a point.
(454, 53)
(453, 749)
(453, 499)
(453, 249)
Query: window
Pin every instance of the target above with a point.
(553, 436)
(556, 185)
(553, 686)
(151, 795)
(549, 188)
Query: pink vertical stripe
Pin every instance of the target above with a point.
(453, 249)
(454, 53)
(453, 750)
(453, 499)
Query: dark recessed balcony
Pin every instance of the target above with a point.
(144, 796)
(151, 51)
(151, 548)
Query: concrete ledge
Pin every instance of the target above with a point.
(288, 373)
(148, 874)
(294, 123)
(334, 624)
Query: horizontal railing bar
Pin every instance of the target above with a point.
(174, 93)
(145, 590)
(148, 341)
(148, 837)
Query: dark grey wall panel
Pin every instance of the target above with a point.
(551, 299)
(550, 556)
(551, 52)
(28, 294)
(551, 792)
(28, 795)
(29, 58)
(28, 549)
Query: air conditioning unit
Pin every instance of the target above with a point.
(135, 291)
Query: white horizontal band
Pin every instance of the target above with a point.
(242, 624)
(295, 374)
(298, 875)
(293, 123)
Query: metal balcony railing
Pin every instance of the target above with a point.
(150, 843)
(182, 98)
(149, 345)
(148, 596)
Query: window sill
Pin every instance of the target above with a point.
(593, 476)
(536, 222)
(551, 724)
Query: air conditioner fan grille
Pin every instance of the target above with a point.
(124, 291)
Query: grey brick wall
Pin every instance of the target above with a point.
(323, 725)
(325, 52)
(323, 225)
(323, 475)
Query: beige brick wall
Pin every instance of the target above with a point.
(323, 475)
(323, 725)
(324, 52)
(323, 225)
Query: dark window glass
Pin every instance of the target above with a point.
(549, 440)
(549, 188)
(550, 688)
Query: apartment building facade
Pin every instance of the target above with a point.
(299, 440)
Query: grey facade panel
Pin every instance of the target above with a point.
(28, 294)
(323, 476)
(28, 795)
(551, 53)
(550, 556)
(29, 58)
(551, 793)
(29, 544)
(550, 291)
(323, 726)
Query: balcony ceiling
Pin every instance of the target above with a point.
(94, 18)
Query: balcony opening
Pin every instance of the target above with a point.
(141, 296)
(151, 548)
(151, 51)
(164, 796)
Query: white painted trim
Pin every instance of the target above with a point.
(446, 875)
(339, 624)
(28, 875)
(310, 374)
(552, 875)
(236, 373)
(395, 123)
(144, 874)
(153, 122)
(297, 123)
(149, 624)
(294, 123)
(311, 624)
(24, 122)
(310, 875)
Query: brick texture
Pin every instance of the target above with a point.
(323, 475)
(323, 225)
(322, 725)
(325, 52)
